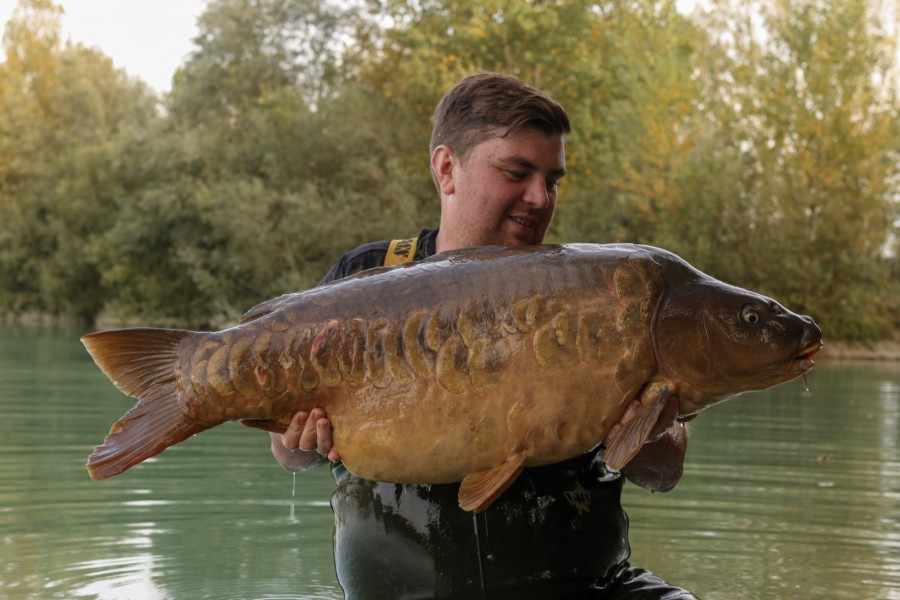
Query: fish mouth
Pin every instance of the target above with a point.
(807, 351)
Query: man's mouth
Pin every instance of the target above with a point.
(524, 221)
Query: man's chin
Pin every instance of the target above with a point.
(519, 235)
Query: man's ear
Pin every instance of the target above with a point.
(442, 162)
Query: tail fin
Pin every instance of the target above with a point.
(141, 363)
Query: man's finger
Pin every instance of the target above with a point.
(309, 434)
(291, 437)
(323, 436)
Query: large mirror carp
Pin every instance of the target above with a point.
(466, 367)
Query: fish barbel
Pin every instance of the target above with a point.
(465, 367)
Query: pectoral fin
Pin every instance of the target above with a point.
(622, 447)
(478, 490)
(265, 424)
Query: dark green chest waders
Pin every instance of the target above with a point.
(558, 532)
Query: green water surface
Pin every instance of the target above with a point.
(786, 494)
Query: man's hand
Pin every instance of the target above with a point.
(307, 442)
(311, 431)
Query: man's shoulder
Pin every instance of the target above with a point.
(367, 256)
(372, 254)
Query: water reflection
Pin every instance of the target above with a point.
(130, 577)
(786, 494)
(211, 518)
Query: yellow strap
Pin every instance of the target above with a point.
(400, 251)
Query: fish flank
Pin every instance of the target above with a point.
(350, 359)
(322, 353)
(452, 365)
(420, 357)
(299, 346)
(396, 363)
(376, 368)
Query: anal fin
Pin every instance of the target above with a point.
(478, 490)
(622, 447)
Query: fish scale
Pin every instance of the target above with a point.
(265, 363)
(466, 367)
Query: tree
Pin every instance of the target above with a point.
(801, 97)
(64, 106)
(758, 140)
(635, 110)
(257, 181)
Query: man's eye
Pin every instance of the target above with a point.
(552, 185)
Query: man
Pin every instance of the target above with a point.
(497, 156)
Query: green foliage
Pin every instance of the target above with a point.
(64, 106)
(757, 140)
(636, 111)
(806, 113)
(761, 145)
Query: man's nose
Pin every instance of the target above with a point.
(538, 194)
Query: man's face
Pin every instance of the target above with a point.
(503, 192)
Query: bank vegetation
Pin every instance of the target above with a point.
(757, 139)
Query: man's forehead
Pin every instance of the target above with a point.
(532, 148)
(516, 142)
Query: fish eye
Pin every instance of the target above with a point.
(750, 315)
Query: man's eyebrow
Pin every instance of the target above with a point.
(527, 164)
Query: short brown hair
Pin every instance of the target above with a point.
(485, 105)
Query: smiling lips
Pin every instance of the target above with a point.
(525, 220)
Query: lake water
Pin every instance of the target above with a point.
(786, 494)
